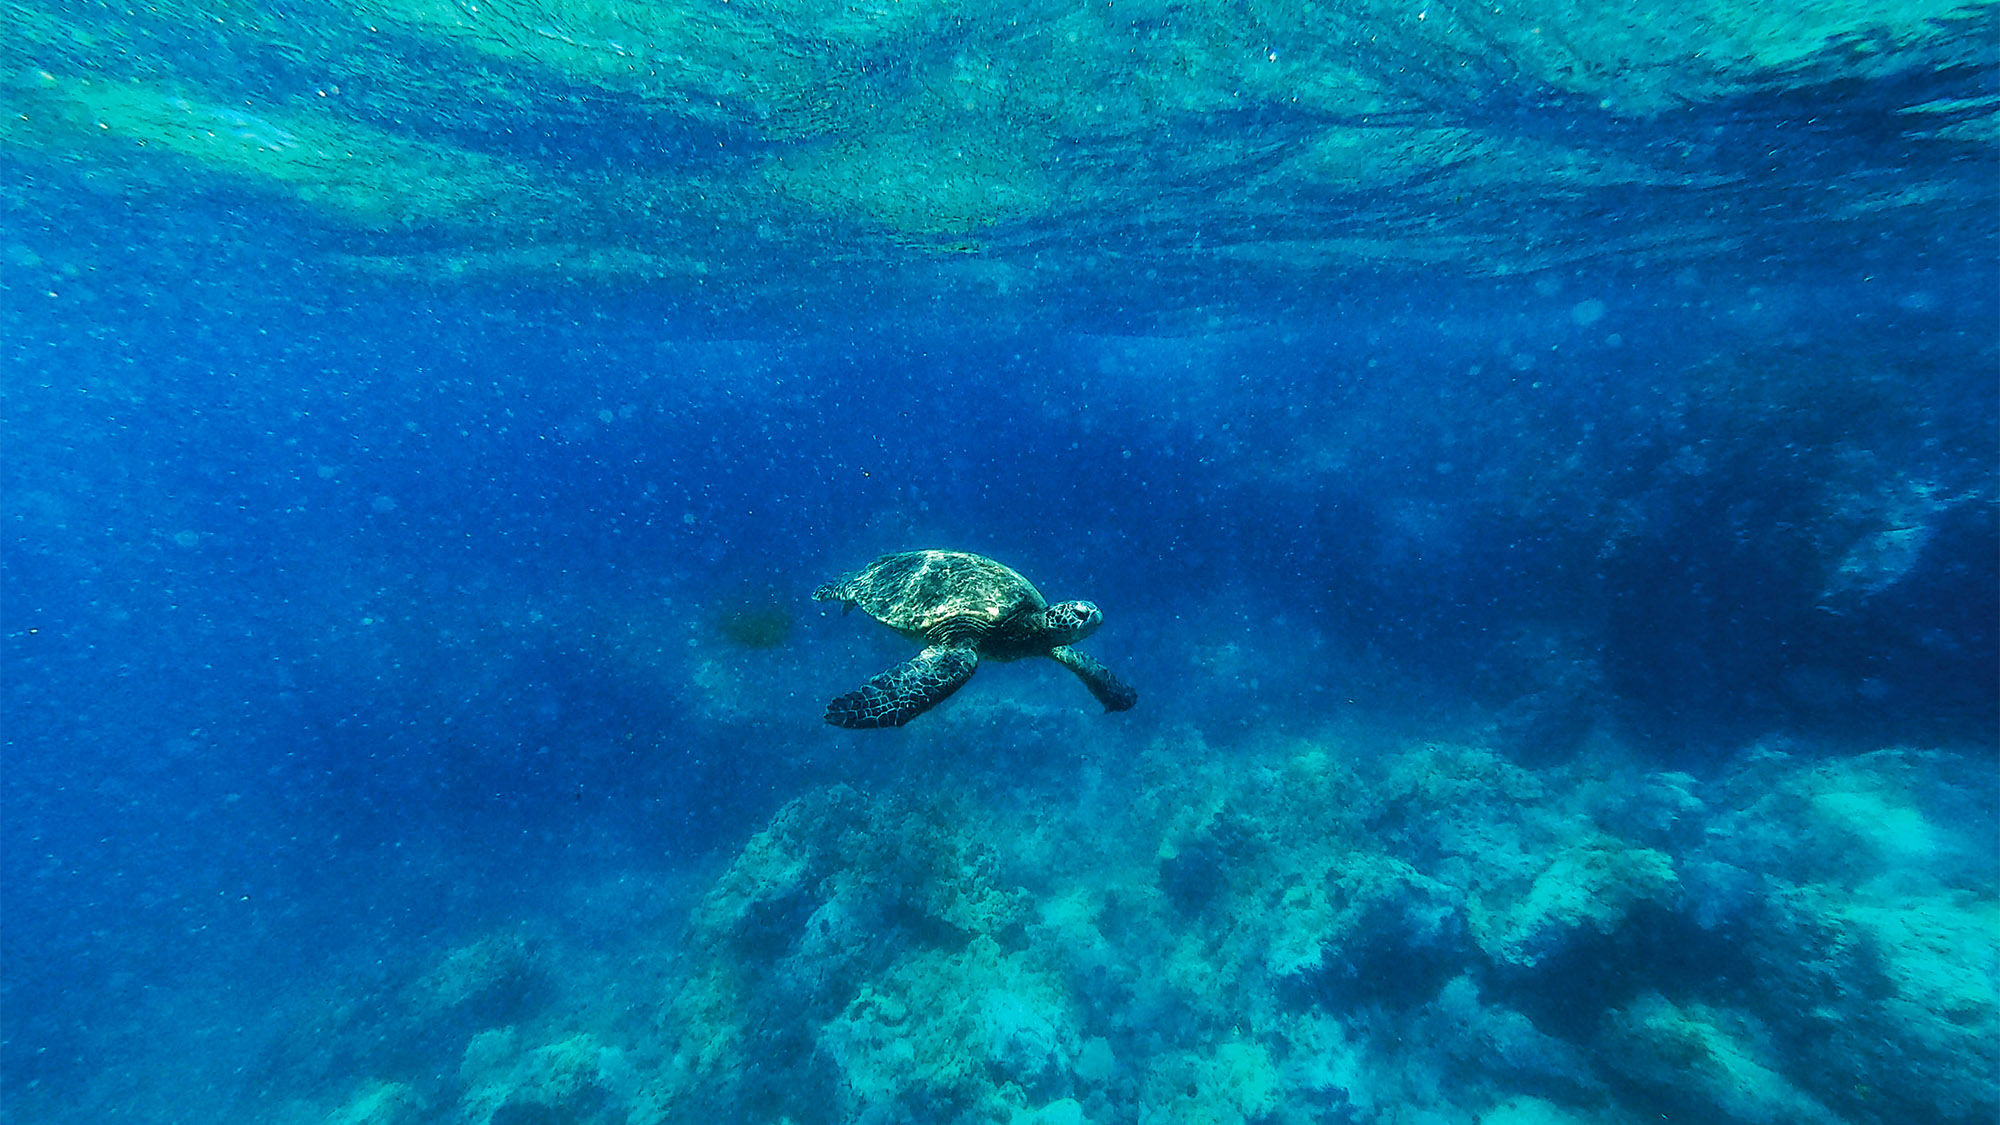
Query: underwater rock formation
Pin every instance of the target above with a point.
(1295, 932)
(1306, 936)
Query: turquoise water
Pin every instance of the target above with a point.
(1535, 466)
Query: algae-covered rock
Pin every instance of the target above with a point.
(1233, 1083)
(381, 1103)
(1527, 1110)
(1496, 1040)
(962, 1032)
(495, 979)
(835, 866)
(852, 956)
(571, 1080)
(1890, 1000)
(489, 1055)
(1373, 928)
(1873, 927)
(1588, 887)
(1707, 1061)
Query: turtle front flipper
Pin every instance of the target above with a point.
(1114, 693)
(892, 698)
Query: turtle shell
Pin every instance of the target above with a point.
(934, 593)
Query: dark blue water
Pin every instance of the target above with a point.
(397, 670)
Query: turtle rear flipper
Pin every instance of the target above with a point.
(892, 698)
(1114, 693)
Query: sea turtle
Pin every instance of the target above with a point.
(961, 607)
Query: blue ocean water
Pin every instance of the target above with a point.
(1537, 469)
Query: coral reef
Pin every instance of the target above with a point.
(1287, 933)
(1303, 936)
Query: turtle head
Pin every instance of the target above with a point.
(1070, 622)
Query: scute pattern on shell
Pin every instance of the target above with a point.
(922, 591)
